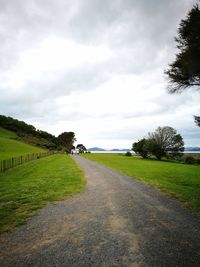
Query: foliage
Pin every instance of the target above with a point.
(185, 70)
(28, 133)
(81, 148)
(189, 160)
(27, 188)
(141, 148)
(16, 125)
(165, 141)
(177, 179)
(197, 120)
(67, 140)
(128, 154)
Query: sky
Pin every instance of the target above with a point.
(95, 68)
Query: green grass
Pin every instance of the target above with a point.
(10, 148)
(180, 180)
(25, 189)
(6, 133)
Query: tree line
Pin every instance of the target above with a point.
(64, 141)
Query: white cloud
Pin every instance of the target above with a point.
(92, 68)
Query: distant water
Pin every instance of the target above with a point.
(110, 151)
(124, 152)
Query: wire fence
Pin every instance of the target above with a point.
(7, 164)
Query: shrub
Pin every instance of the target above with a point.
(190, 160)
(128, 154)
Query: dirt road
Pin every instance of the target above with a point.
(117, 221)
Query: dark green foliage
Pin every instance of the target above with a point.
(141, 148)
(81, 148)
(16, 126)
(128, 154)
(28, 134)
(67, 140)
(185, 70)
(190, 160)
(197, 120)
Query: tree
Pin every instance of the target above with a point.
(197, 120)
(165, 142)
(81, 148)
(67, 140)
(141, 148)
(184, 72)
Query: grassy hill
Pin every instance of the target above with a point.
(10, 147)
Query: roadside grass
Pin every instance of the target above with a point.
(10, 148)
(179, 180)
(27, 188)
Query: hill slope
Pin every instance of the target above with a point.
(9, 147)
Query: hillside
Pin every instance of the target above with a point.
(10, 147)
(28, 133)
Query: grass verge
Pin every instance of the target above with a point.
(25, 189)
(180, 180)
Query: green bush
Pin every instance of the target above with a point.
(190, 160)
(128, 154)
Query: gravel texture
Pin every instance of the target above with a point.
(117, 221)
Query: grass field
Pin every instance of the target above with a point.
(180, 180)
(12, 148)
(25, 189)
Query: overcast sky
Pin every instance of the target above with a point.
(94, 67)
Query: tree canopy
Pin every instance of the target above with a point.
(185, 70)
(141, 148)
(67, 140)
(197, 120)
(81, 148)
(163, 142)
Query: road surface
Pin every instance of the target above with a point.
(117, 221)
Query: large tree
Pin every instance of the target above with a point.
(67, 140)
(165, 142)
(184, 72)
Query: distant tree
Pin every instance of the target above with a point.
(141, 148)
(165, 142)
(66, 140)
(81, 148)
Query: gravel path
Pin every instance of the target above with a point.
(117, 221)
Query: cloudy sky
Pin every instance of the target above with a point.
(94, 67)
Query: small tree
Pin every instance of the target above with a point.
(165, 142)
(81, 148)
(141, 148)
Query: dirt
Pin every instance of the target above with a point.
(117, 221)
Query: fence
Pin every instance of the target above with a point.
(13, 162)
